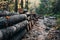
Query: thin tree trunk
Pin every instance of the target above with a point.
(21, 3)
(26, 4)
(16, 5)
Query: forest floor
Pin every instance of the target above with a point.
(39, 32)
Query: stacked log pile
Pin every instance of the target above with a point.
(13, 27)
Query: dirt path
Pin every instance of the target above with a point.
(38, 32)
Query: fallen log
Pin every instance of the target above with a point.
(12, 20)
(19, 35)
(16, 19)
(3, 14)
(10, 31)
(3, 22)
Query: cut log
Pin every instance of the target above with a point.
(10, 31)
(12, 20)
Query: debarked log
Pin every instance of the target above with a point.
(16, 19)
(19, 35)
(3, 22)
(12, 20)
(3, 14)
(10, 31)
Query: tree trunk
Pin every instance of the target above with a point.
(21, 3)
